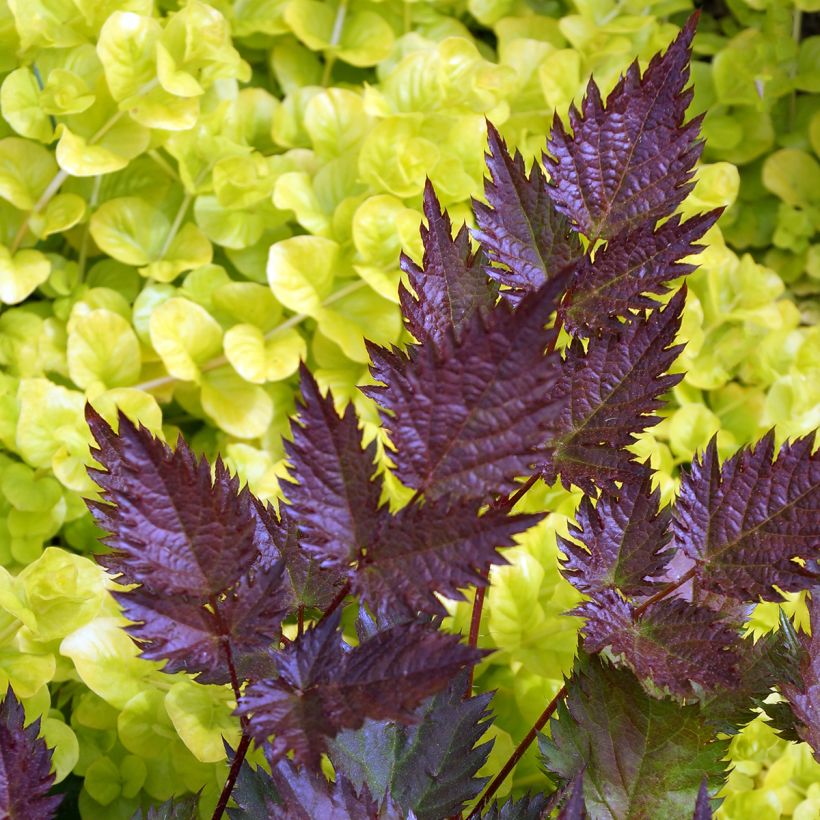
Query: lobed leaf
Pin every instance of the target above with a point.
(616, 280)
(309, 585)
(452, 284)
(624, 540)
(528, 241)
(307, 795)
(324, 686)
(804, 696)
(609, 391)
(25, 766)
(434, 547)
(335, 501)
(429, 767)
(746, 524)
(674, 647)
(631, 161)
(641, 757)
(173, 529)
(467, 416)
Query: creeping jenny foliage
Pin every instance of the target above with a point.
(196, 196)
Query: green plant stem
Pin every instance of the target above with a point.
(173, 230)
(518, 753)
(797, 28)
(335, 37)
(92, 204)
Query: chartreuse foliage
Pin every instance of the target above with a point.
(485, 394)
(152, 154)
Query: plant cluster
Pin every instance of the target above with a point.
(485, 395)
(306, 127)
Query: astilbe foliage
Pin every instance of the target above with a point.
(490, 391)
(25, 766)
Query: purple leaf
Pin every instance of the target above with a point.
(307, 795)
(173, 528)
(194, 639)
(528, 241)
(804, 698)
(574, 807)
(435, 547)
(673, 646)
(336, 500)
(309, 585)
(25, 766)
(451, 286)
(624, 540)
(630, 265)
(612, 389)
(703, 809)
(468, 416)
(745, 523)
(324, 686)
(629, 162)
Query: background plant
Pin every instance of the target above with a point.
(102, 104)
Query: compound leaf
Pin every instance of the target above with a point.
(641, 757)
(335, 501)
(324, 686)
(173, 529)
(623, 541)
(631, 161)
(672, 647)
(611, 389)
(434, 547)
(452, 284)
(25, 766)
(467, 416)
(630, 265)
(745, 523)
(307, 795)
(528, 241)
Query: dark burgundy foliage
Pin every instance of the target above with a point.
(608, 393)
(488, 394)
(631, 265)
(468, 416)
(305, 794)
(624, 540)
(804, 695)
(674, 646)
(335, 501)
(746, 522)
(323, 685)
(574, 808)
(631, 161)
(703, 808)
(528, 241)
(25, 766)
(173, 529)
(452, 285)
